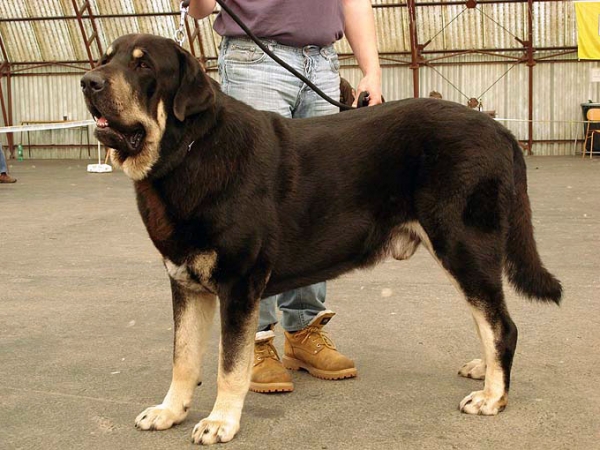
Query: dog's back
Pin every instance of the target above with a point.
(347, 185)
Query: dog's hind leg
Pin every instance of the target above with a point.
(475, 267)
(498, 335)
(239, 319)
(193, 314)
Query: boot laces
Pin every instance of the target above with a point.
(318, 336)
(265, 350)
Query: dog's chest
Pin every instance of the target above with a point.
(154, 213)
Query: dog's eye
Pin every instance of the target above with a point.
(143, 65)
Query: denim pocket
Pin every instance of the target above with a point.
(331, 56)
(239, 62)
(244, 54)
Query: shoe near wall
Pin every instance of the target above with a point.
(268, 374)
(311, 349)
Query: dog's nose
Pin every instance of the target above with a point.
(92, 82)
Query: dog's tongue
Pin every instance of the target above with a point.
(102, 122)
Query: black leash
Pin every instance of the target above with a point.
(363, 99)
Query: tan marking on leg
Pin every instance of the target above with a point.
(201, 265)
(224, 421)
(493, 398)
(178, 273)
(204, 264)
(190, 344)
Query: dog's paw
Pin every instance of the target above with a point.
(209, 431)
(481, 404)
(474, 369)
(158, 417)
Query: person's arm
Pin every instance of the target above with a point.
(360, 32)
(199, 9)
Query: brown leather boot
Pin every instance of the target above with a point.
(268, 374)
(311, 349)
(6, 178)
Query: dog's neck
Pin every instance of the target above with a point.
(178, 145)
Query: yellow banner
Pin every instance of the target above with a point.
(588, 30)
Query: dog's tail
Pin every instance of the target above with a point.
(523, 264)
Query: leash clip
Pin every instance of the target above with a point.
(179, 35)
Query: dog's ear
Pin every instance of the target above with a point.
(195, 92)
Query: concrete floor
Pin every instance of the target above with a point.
(86, 333)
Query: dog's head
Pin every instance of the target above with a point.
(142, 84)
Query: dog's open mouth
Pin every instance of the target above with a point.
(124, 139)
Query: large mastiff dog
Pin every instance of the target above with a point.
(243, 204)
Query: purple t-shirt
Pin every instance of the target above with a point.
(289, 22)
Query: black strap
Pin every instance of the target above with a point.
(283, 63)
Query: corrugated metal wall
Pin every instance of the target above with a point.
(559, 89)
(39, 98)
(448, 27)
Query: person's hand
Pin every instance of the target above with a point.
(371, 84)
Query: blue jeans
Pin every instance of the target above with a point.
(3, 166)
(250, 75)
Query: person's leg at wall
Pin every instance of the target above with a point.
(307, 346)
(248, 75)
(4, 176)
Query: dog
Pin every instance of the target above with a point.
(243, 204)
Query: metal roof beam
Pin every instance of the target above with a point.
(530, 63)
(415, 49)
(168, 13)
(457, 3)
(195, 36)
(90, 16)
(85, 7)
(383, 56)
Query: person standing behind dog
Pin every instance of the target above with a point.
(4, 176)
(301, 33)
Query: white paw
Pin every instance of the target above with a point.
(209, 431)
(158, 417)
(480, 404)
(474, 369)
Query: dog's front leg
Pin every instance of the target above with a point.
(193, 313)
(239, 318)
